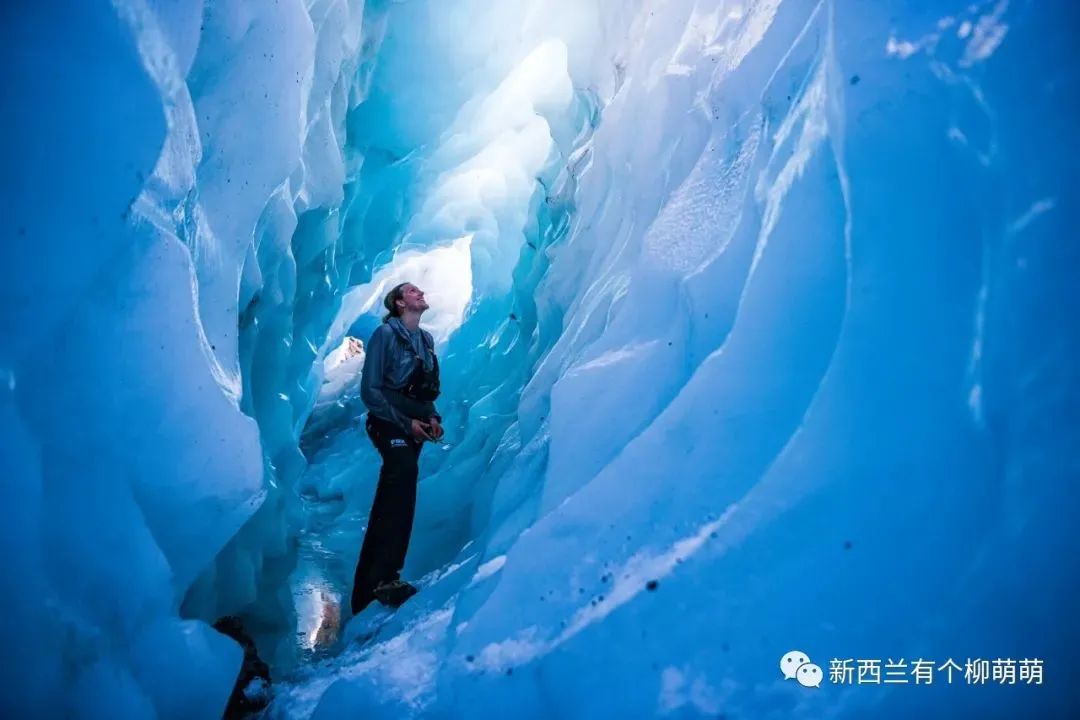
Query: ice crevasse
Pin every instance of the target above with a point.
(757, 331)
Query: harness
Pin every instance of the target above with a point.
(423, 384)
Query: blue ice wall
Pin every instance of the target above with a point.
(756, 319)
(170, 230)
(799, 393)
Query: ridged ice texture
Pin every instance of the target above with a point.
(803, 358)
(170, 219)
(793, 344)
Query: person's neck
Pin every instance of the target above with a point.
(410, 319)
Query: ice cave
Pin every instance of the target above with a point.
(757, 331)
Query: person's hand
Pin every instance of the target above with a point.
(420, 430)
(436, 428)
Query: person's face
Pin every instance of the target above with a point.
(413, 299)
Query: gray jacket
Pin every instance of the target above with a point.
(390, 359)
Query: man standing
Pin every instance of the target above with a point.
(399, 384)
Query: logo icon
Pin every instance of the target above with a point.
(796, 665)
(809, 675)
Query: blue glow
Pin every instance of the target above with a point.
(756, 321)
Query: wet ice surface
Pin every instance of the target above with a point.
(321, 580)
(397, 652)
(396, 649)
(327, 547)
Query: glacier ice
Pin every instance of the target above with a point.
(165, 153)
(756, 319)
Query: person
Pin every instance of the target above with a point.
(399, 385)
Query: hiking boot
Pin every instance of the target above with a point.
(394, 593)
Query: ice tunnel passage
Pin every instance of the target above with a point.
(492, 199)
(756, 319)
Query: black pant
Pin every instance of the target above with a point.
(390, 523)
